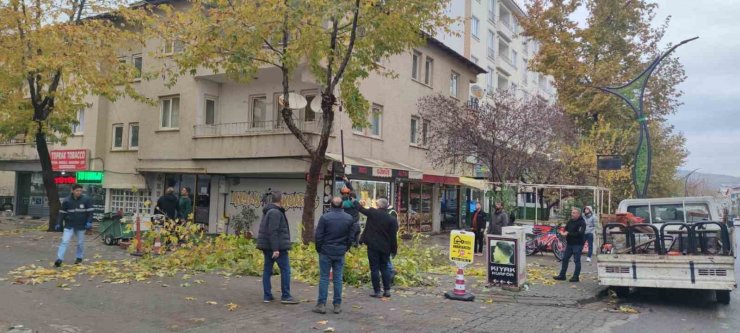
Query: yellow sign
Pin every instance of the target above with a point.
(461, 246)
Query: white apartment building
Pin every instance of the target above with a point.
(489, 35)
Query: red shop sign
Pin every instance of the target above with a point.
(69, 160)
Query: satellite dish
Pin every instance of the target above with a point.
(295, 101)
(316, 104)
(476, 91)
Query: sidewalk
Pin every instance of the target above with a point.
(179, 304)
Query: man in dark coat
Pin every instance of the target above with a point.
(380, 237)
(167, 204)
(478, 224)
(334, 236)
(348, 203)
(575, 235)
(75, 217)
(499, 220)
(274, 241)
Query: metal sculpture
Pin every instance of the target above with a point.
(632, 94)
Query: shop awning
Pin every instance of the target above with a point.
(480, 184)
(376, 168)
(123, 181)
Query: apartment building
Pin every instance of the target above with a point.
(226, 142)
(490, 36)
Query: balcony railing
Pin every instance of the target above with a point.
(254, 128)
(13, 141)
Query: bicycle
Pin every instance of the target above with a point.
(543, 241)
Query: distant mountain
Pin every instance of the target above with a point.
(711, 181)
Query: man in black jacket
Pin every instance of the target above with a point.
(348, 203)
(478, 224)
(499, 220)
(334, 236)
(274, 241)
(575, 235)
(380, 237)
(75, 217)
(167, 204)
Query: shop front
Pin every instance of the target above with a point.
(448, 199)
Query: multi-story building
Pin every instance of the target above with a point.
(489, 35)
(226, 141)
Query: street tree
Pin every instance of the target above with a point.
(53, 54)
(516, 138)
(615, 42)
(340, 41)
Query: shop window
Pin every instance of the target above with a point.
(419, 216)
(128, 201)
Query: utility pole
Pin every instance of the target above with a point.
(686, 183)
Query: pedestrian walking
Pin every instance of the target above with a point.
(478, 225)
(75, 217)
(591, 221)
(167, 204)
(274, 241)
(380, 237)
(185, 205)
(334, 236)
(574, 233)
(499, 220)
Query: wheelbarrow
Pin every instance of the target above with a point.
(114, 228)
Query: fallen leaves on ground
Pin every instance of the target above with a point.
(627, 309)
(329, 329)
(190, 298)
(538, 274)
(322, 322)
(232, 306)
(211, 302)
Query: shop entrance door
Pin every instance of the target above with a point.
(23, 193)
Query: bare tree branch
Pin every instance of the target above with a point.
(348, 53)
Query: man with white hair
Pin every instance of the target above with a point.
(380, 237)
(575, 235)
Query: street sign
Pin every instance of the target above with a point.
(90, 177)
(461, 247)
(68, 160)
(503, 260)
(608, 162)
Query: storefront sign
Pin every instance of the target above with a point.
(253, 199)
(90, 177)
(382, 172)
(416, 175)
(65, 180)
(400, 174)
(361, 170)
(69, 160)
(502, 261)
(461, 247)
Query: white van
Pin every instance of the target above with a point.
(684, 243)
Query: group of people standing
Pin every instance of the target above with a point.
(175, 208)
(336, 232)
(498, 220)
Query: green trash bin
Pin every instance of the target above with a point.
(113, 229)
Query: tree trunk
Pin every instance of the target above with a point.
(309, 198)
(48, 176)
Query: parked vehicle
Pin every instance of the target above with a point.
(680, 243)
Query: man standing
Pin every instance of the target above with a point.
(478, 224)
(590, 218)
(274, 241)
(75, 217)
(334, 236)
(380, 237)
(185, 205)
(574, 234)
(500, 219)
(167, 204)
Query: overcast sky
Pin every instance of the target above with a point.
(710, 115)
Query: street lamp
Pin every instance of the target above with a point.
(686, 183)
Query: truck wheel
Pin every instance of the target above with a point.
(621, 292)
(108, 240)
(723, 296)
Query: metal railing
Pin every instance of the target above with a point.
(14, 141)
(254, 128)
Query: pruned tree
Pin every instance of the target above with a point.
(516, 138)
(53, 54)
(341, 42)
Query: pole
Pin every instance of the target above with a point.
(686, 183)
(341, 142)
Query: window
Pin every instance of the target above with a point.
(490, 44)
(309, 114)
(133, 136)
(428, 70)
(172, 46)
(526, 48)
(170, 112)
(504, 51)
(128, 201)
(117, 136)
(210, 111)
(454, 78)
(414, 130)
(514, 26)
(258, 112)
(376, 121)
(80, 125)
(474, 59)
(137, 61)
(505, 17)
(514, 56)
(489, 79)
(425, 131)
(416, 65)
(474, 25)
(671, 212)
(524, 72)
(491, 10)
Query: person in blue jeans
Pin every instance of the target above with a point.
(590, 218)
(274, 241)
(75, 217)
(575, 235)
(334, 236)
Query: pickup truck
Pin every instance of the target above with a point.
(684, 243)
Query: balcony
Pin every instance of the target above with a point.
(254, 128)
(504, 64)
(505, 29)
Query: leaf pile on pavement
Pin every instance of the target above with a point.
(538, 274)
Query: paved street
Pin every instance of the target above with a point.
(165, 305)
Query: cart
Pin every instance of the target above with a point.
(114, 228)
